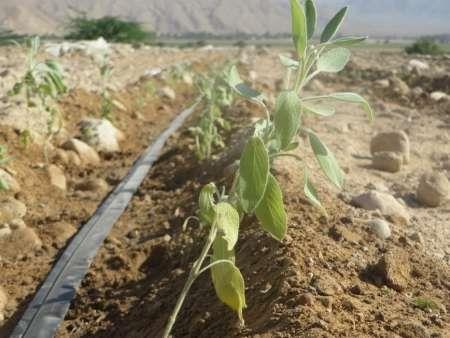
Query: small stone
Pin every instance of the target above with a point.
(11, 209)
(73, 158)
(21, 240)
(382, 83)
(327, 286)
(380, 228)
(439, 96)
(11, 183)
(417, 237)
(399, 86)
(101, 135)
(418, 65)
(387, 161)
(385, 203)
(395, 269)
(133, 234)
(167, 92)
(87, 154)
(57, 177)
(17, 224)
(433, 190)
(3, 303)
(306, 299)
(119, 105)
(397, 142)
(5, 230)
(167, 238)
(178, 272)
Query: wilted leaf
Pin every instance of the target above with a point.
(311, 17)
(332, 27)
(311, 193)
(326, 160)
(271, 212)
(334, 60)
(227, 279)
(253, 174)
(287, 117)
(206, 203)
(299, 29)
(227, 220)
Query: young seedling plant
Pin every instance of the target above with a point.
(216, 95)
(43, 85)
(106, 105)
(255, 190)
(4, 159)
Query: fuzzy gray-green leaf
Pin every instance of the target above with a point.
(235, 82)
(318, 109)
(327, 161)
(253, 174)
(332, 27)
(311, 193)
(355, 98)
(287, 117)
(299, 28)
(334, 60)
(271, 212)
(311, 17)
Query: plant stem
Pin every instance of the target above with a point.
(193, 275)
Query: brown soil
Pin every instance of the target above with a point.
(329, 278)
(54, 214)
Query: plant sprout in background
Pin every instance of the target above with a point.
(43, 85)
(4, 159)
(255, 190)
(216, 95)
(106, 104)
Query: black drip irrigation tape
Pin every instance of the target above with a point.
(51, 302)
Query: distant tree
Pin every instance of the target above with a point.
(424, 46)
(111, 28)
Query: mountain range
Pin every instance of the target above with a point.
(377, 18)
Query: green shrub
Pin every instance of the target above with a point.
(110, 28)
(424, 46)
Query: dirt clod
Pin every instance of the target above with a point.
(394, 268)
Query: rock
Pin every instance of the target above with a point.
(97, 185)
(418, 65)
(395, 269)
(5, 230)
(399, 86)
(10, 181)
(439, 96)
(327, 286)
(397, 141)
(57, 178)
(21, 241)
(11, 209)
(387, 161)
(17, 224)
(433, 190)
(380, 228)
(73, 158)
(417, 237)
(167, 92)
(385, 203)
(187, 79)
(3, 302)
(306, 299)
(382, 83)
(101, 135)
(119, 105)
(418, 91)
(87, 154)
(61, 156)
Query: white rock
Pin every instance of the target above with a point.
(433, 189)
(385, 203)
(399, 86)
(87, 154)
(382, 83)
(439, 96)
(5, 230)
(101, 135)
(380, 228)
(11, 209)
(3, 302)
(397, 141)
(57, 177)
(119, 105)
(10, 181)
(387, 161)
(418, 65)
(167, 92)
(187, 79)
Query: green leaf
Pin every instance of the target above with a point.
(3, 185)
(227, 220)
(311, 194)
(346, 41)
(287, 117)
(235, 82)
(271, 212)
(332, 27)
(334, 60)
(227, 279)
(288, 62)
(311, 17)
(206, 203)
(299, 29)
(253, 174)
(326, 160)
(292, 146)
(320, 110)
(355, 98)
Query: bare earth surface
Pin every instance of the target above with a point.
(330, 278)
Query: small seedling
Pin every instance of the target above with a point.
(255, 190)
(425, 304)
(106, 105)
(4, 159)
(43, 85)
(216, 95)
